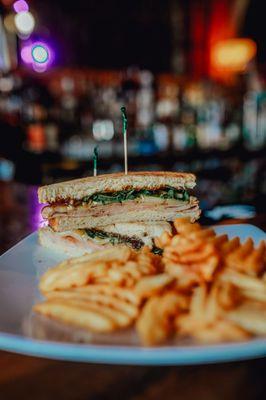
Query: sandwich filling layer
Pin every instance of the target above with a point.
(91, 215)
(105, 203)
(115, 238)
(125, 195)
(148, 214)
(134, 235)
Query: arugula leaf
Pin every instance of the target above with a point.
(124, 195)
(115, 238)
(157, 250)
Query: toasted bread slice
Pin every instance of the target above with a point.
(77, 189)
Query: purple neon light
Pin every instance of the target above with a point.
(39, 67)
(35, 216)
(26, 54)
(42, 66)
(20, 6)
(40, 53)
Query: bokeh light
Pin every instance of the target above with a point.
(233, 54)
(7, 2)
(40, 53)
(25, 54)
(20, 6)
(40, 68)
(9, 23)
(103, 129)
(24, 22)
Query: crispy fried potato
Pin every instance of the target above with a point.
(250, 316)
(79, 271)
(243, 282)
(78, 275)
(254, 295)
(124, 270)
(219, 241)
(151, 285)
(121, 293)
(228, 295)
(115, 308)
(155, 323)
(221, 331)
(96, 298)
(163, 240)
(196, 272)
(230, 246)
(256, 261)
(180, 244)
(75, 315)
(184, 279)
(236, 258)
(205, 286)
(201, 234)
(195, 250)
(212, 308)
(198, 301)
(202, 254)
(183, 225)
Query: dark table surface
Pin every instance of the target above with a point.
(23, 377)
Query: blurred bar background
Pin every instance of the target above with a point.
(191, 74)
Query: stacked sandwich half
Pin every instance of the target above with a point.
(86, 214)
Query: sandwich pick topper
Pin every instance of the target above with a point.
(124, 120)
(95, 160)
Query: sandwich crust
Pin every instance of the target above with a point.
(77, 189)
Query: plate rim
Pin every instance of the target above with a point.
(134, 355)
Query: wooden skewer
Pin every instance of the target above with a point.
(124, 119)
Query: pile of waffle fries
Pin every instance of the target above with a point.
(205, 287)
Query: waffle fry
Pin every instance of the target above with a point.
(229, 246)
(251, 316)
(102, 267)
(193, 248)
(121, 293)
(152, 285)
(228, 295)
(96, 298)
(219, 241)
(76, 272)
(163, 240)
(183, 225)
(205, 286)
(76, 315)
(96, 307)
(221, 331)
(184, 281)
(236, 259)
(248, 259)
(205, 321)
(198, 257)
(244, 282)
(155, 324)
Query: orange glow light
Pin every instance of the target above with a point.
(233, 55)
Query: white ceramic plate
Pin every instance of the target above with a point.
(22, 332)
